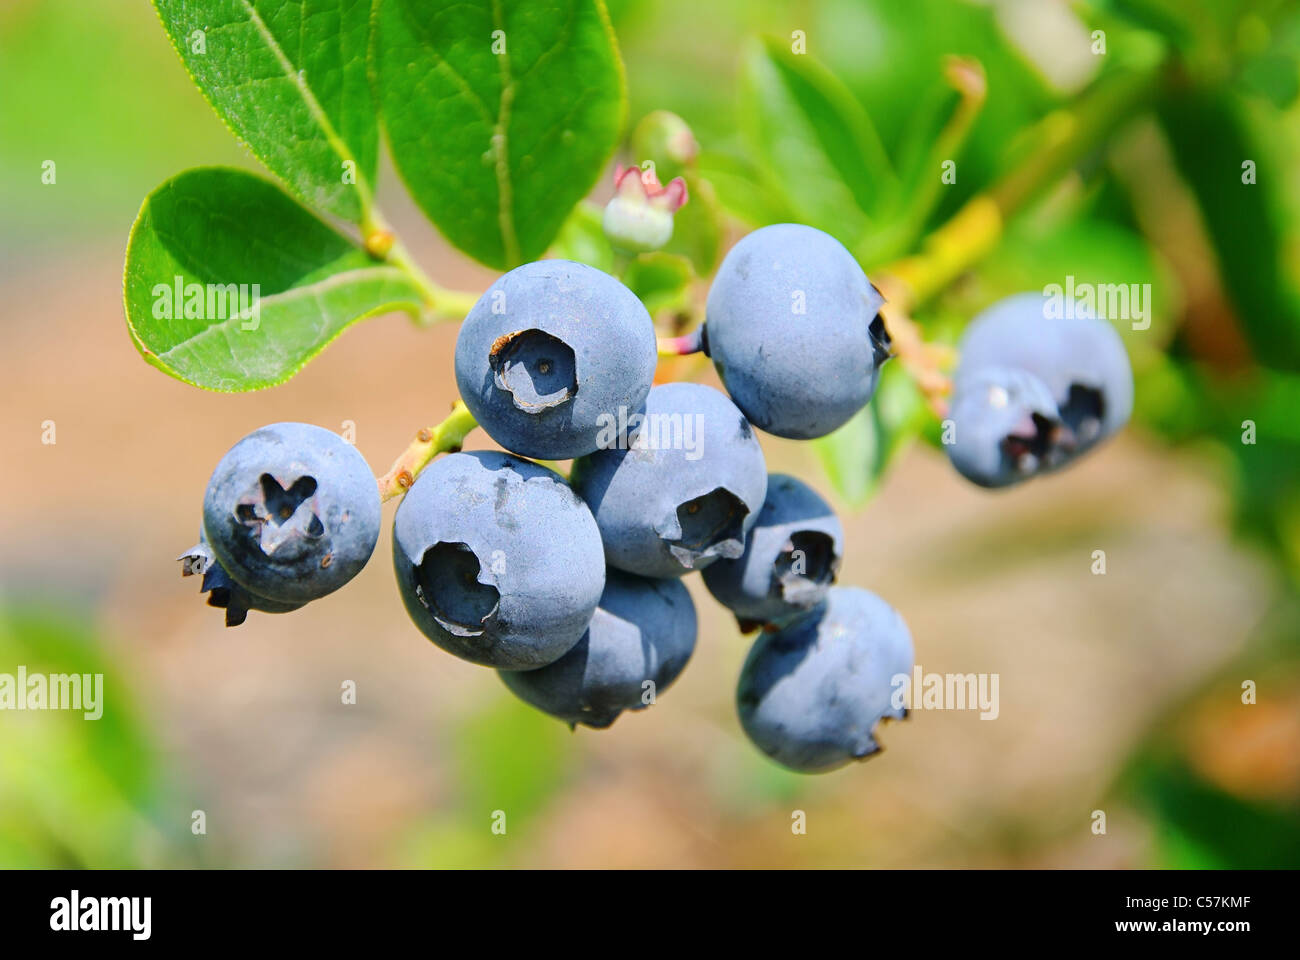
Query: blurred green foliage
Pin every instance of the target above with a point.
(77, 792)
(510, 760)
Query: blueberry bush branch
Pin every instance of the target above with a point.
(944, 129)
(445, 437)
(438, 302)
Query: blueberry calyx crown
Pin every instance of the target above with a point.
(804, 568)
(538, 370)
(278, 515)
(1039, 441)
(1083, 412)
(882, 345)
(711, 525)
(449, 582)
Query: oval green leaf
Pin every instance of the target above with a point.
(819, 149)
(289, 79)
(500, 117)
(230, 285)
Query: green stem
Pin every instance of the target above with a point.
(439, 302)
(444, 437)
(687, 343)
(1058, 140)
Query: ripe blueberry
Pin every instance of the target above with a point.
(639, 640)
(681, 488)
(497, 560)
(291, 512)
(811, 694)
(793, 327)
(551, 350)
(791, 557)
(1019, 359)
(1006, 427)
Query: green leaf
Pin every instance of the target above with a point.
(888, 53)
(851, 457)
(1212, 135)
(289, 79)
(817, 145)
(497, 147)
(1273, 76)
(221, 228)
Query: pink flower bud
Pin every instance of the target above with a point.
(640, 217)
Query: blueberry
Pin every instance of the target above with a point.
(291, 512)
(498, 561)
(639, 640)
(680, 487)
(1040, 356)
(550, 351)
(791, 557)
(793, 327)
(223, 592)
(1006, 427)
(811, 694)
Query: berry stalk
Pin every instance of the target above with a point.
(445, 437)
(440, 303)
(682, 346)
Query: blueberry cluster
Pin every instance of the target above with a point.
(572, 588)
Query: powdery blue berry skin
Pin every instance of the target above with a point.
(811, 695)
(1006, 427)
(682, 500)
(1039, 384)
(497, 560)
(1072, 355)
(793, 374)
(548, 350)
(292, 512)
(791, 557)
(643, 630)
